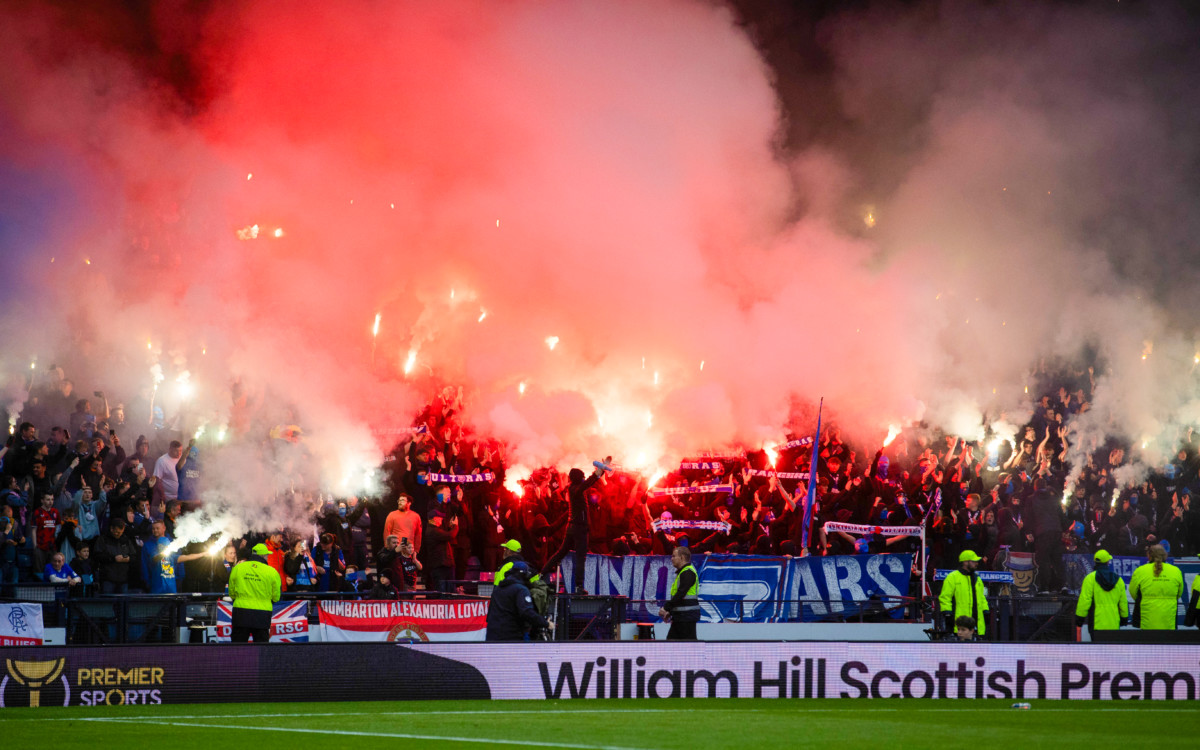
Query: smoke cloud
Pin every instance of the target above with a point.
(961, 192)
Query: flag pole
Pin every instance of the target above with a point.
(811, 497)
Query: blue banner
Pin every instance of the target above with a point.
(741, 588)
(752, 588)
(1077, 566)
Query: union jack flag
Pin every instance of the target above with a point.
(289, 622)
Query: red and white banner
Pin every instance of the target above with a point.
(21, 625)
(432, 620)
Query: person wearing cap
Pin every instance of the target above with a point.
(511, 614)
(1156, 588)
(1102, 604)
(963, 594)
(439, 560)
(254, 587)
(512, 554)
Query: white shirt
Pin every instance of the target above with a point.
(168, 476)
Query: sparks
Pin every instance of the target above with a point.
(521, 388)
(552, 341)
(218, 546)
(482, 315)
(892, 433)
(199, 433)
(249, 175)
(375, 328)
(772, 453)
(87, 261)
(514, 477)
(410, 361)
(185, 387)
(278, 232)
(701, 365)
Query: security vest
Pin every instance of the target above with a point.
(254, 585)
(1157, 597)
(507, 566)
(964, 595)
(1104, 609)
(690, 607)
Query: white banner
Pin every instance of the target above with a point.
(21, 625)
(650, 669)
(853, 528)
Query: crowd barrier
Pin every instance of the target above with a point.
(638, 670)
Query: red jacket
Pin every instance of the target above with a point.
(46, 522)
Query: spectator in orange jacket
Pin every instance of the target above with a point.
(404, 523)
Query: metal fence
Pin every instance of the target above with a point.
(159, 618)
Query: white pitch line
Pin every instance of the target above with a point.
(386, 735)
(1142, 708)
(416, 713)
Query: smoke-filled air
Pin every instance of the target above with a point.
(643, 229)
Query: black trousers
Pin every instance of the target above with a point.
(438, 577)
(1047, 553)
(576, 539)
(242, 634)
(682, 631)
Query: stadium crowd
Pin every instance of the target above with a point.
(82, 509)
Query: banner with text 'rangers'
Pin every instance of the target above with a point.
(404, 620)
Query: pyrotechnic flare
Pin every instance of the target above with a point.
(893, 433)
(184, 385)
(410, 361)
(772, 453)
(552, 341)
(219, 545)
(375, 335)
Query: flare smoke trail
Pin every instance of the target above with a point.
(952, 191)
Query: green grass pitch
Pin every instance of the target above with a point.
(694, 724)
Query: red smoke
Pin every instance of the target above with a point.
(605, 173)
